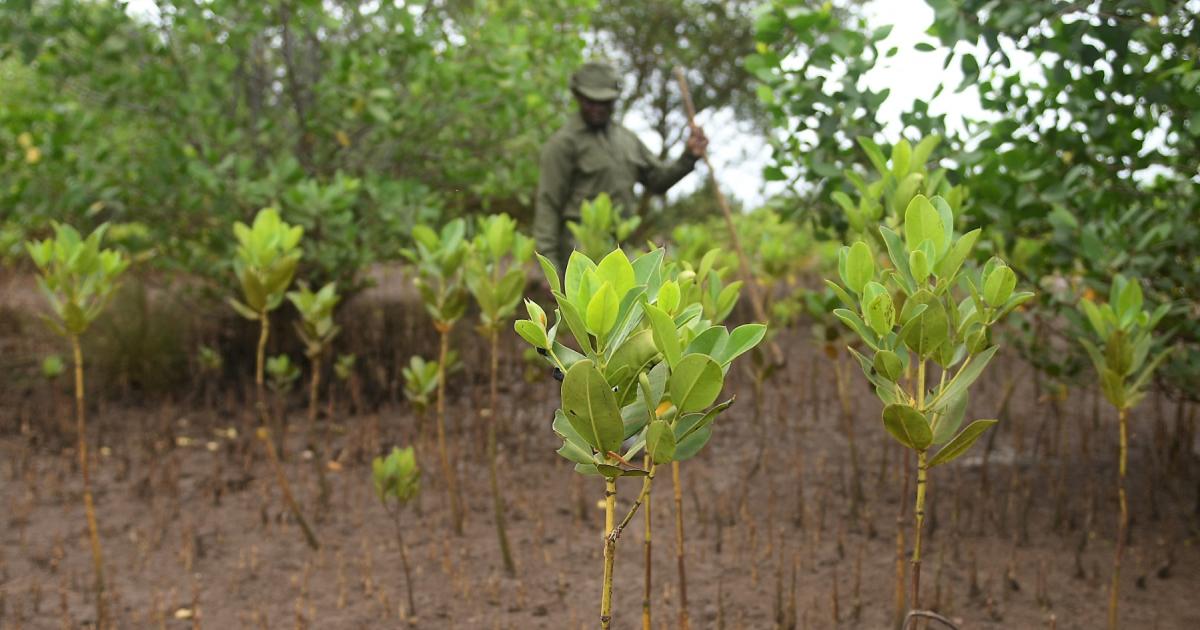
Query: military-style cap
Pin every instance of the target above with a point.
(597, 80)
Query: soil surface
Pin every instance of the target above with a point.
(195, 532)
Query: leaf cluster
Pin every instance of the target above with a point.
(316, 327)
(913, 312)
(439, 258)
(76, 275)
(650, 366)
(265, 262)
(1122, 341)
(496, 267)
(397, 476)
(601, 227)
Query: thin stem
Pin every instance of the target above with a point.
(317, 445)
(1122, 419)
(89, 506)
(922, 468)
(684, 622)
(265, 435)
(447, 471)
(646, 592)
(412, 606)
(493, 472)
(610, 551)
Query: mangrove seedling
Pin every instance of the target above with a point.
(211, 364)
(439, 259)
(78, 278)
(495, 275)
(317, 330)
(647, 368)
(601, 228)
(264, 262)
(1124, 354)
(343, 369)
(397, 480)
(933, 326)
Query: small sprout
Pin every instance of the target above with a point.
(283, 373)
(343, 368)
(52, 367)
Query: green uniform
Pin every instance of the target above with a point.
(578, 163)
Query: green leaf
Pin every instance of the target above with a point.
(616, 269)
(948, 421)
(860, 267)
(666, 337)
(574, 321)
(925, 332)
(963, 379)
(531, 332)
(908, 426)
(999, 285)
(695, 383)
(921, 222)
(961, 442)
(688, 447)
(591, 408)
(660, 442)
(888, 365)
(692, 422)
(949, 265)
(243, 310)
(602, 310)
(551, 273)
(741, 340)
(575, 448)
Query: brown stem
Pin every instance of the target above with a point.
(856, 491)
(89, 506)
(1122, 418)
(447, 470)
(264, 434)
(646, 592)
(318, 446)
(412, 606)
(919, 512)
(684, 621)
(493, 472)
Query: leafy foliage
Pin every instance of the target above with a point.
(76, 276)
(397, 476)
(601, 227)
(1124, 330)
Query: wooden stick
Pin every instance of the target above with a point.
(748, 280)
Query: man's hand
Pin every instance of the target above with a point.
(697, 143)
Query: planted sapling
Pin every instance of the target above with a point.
(1125, 354)
(495, 275)
(317, 330)
(439, 259)
(397, 480)
(648, 371)
(601, 227)
(78, 279)
(934, 325)
(265, 261)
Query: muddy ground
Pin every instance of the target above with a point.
(196, 534)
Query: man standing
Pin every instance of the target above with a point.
(592, 154)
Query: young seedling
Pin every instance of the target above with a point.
(398, 480)
(648, 368)
(496, 277)
(282, 374)
(601, 228)
(933, 327)
(211, 363)
(78, 278)
(439, 259)
(52, 369)
(264, 262)
(1121, 353)
(317, 331)
(343, 369)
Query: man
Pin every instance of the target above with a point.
(592, 154)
